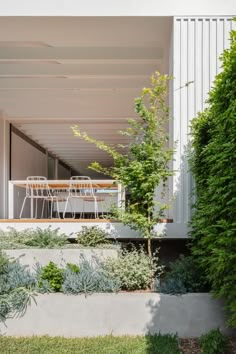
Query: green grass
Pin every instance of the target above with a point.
(159, 344)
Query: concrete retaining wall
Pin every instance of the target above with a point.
(59, 256)
(189, 315)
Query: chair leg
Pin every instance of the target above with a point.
(67, 200)
(42, 208)
(23, 205)
(51, 207)
(58, 213)
(36, 209)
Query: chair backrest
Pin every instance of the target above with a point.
(36, 187)
(81, 186)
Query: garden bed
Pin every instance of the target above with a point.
(188, 315)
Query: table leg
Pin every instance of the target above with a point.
(31, 208)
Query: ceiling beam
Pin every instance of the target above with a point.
(77, 70)
(75, 83)
(81, 53)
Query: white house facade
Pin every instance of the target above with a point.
(83, 62)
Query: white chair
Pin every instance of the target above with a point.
(38, 189)
(80, 187)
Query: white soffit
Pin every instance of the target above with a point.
(116, 8)
(56, 72)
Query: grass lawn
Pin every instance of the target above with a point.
(99, 345)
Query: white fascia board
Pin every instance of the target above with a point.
(117, 8)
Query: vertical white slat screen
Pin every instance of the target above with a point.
(197, 44)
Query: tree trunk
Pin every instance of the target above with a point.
(149, 247)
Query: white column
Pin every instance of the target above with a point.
(4, 164)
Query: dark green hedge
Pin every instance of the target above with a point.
(213, 164)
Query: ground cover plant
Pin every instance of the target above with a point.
(158, 344)
(214, 342)
(105, 345)
(213, 165)
(143, 164)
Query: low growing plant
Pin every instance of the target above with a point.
(92, 236)
(92, 277)
(30, 238)
(16, 288)
(134, 269)
(214, 342)
(184, 277)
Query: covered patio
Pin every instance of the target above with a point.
(56, 72)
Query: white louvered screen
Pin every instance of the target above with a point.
(197, 44)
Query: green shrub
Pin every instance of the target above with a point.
(30, 238)
(184, 277)
(91, 278)
(213, 165)
(134, 269)
(92, 236)
(214, 342)
(52, 274)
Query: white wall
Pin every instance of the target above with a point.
(116, 8)
(26, 160)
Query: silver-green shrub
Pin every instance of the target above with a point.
(16, 285)
(134, 269)
(30, 238)
(92, 277)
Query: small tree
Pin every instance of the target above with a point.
(143, 164)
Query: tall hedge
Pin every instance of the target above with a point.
(213, 165)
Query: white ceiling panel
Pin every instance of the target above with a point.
(60, 71)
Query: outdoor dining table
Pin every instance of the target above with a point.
(105, 186)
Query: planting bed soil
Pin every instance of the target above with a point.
(191, 346)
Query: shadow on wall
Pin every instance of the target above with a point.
(188, 315)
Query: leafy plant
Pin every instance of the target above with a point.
(52, 274)
(134, 270)
(92, 236)
(184, 277)
(214, 342)
(73, 267)
(92, 277)
(143, 164)
(213, 164)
